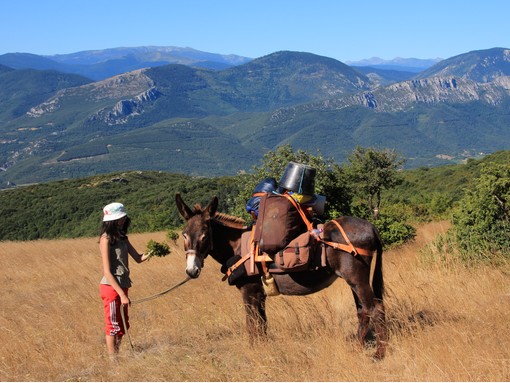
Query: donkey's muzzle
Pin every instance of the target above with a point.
(193, 264)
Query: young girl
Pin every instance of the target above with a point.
(115, 250)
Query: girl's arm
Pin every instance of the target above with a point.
(105, 248)
(139, 258)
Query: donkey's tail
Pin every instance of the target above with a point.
(377, 279)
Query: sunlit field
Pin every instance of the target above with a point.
(446, 322)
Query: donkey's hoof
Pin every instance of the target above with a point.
(379, 355)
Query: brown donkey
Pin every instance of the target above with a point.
(208, 232)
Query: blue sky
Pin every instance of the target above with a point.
(344, 30)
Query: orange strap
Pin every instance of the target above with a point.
(355, 251)
(264, 267)
(231, 269)
(307, 222)
(243, 259)
(253, 251)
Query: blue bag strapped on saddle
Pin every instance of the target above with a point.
(267, 185)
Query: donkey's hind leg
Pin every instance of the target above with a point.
(381, 331)
(363, 319)
(371, 309)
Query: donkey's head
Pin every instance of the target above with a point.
(197, 233)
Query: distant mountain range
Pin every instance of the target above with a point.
(401, 64)
(101, 64)
(210, 122)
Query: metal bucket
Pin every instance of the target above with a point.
(317, 204)
(299, 178)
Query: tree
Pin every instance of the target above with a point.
(372, 170)
(482, 221)
(330, 179)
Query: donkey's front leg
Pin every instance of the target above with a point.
(254, 299)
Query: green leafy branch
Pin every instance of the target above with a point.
(157, 249)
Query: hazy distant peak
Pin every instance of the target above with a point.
(172, 54)
(397, 61)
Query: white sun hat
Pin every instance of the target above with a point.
(113, 211)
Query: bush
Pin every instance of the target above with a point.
(172, 235)
(482, 221)
(394, 231)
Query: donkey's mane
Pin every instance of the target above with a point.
(229, 220)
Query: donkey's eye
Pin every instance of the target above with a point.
(185, 236)
(202, 237)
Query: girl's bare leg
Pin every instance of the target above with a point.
(113, 344)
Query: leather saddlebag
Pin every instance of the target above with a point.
(302, 253)
(278, 223)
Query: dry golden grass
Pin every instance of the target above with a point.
(446, 323)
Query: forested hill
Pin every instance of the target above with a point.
(72, 208)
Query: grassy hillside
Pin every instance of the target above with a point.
(446, 323)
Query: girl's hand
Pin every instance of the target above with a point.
(125, 300)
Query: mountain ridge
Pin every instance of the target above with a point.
(413, 65)
(472, 65)
(104, 63)
(173, 55)
(206, 122)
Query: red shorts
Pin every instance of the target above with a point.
(112, 317)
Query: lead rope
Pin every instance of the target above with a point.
(145, 300)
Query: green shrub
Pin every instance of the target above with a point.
(172, 235)
(394, 231)
(482, 220)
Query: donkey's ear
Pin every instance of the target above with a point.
(211, 208)
(184, 210)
